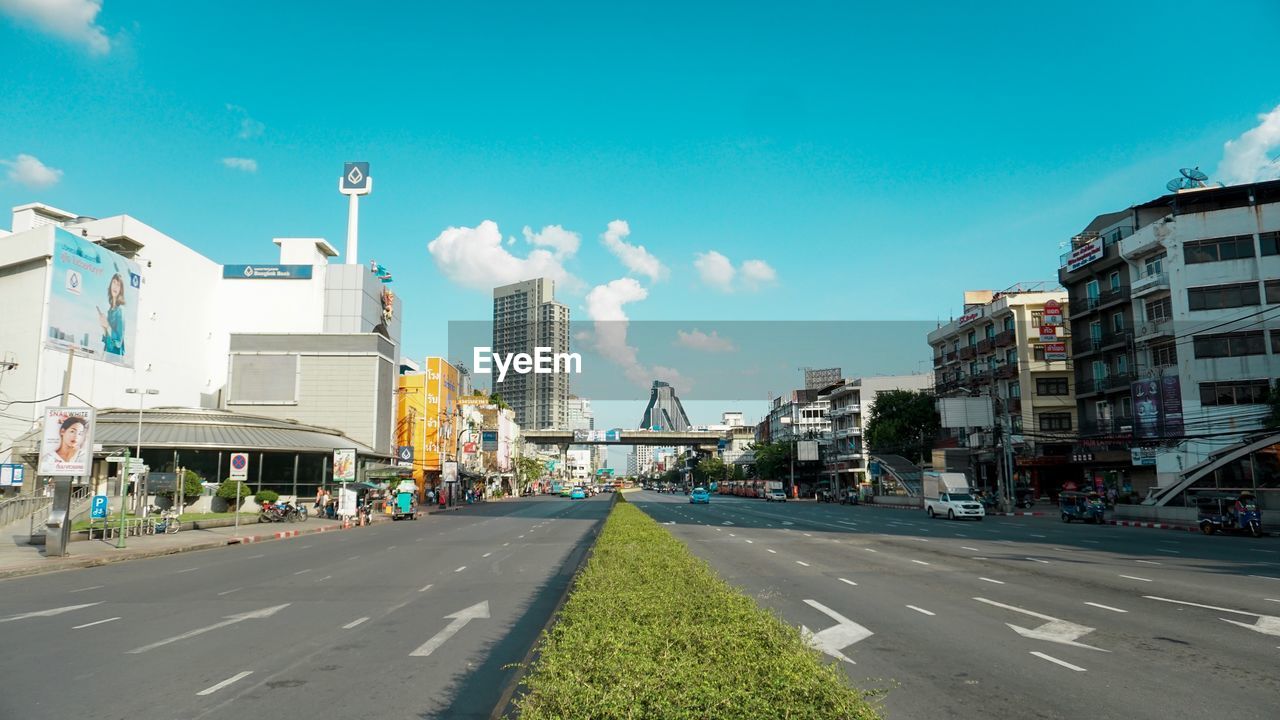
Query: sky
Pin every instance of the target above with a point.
(830, 161)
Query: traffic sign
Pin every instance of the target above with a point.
(98, 508)
(239, 466)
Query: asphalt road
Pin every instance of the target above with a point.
(1112, 620)
(399, 620)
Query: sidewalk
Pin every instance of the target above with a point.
(21, 559)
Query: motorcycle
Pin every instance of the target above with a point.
(280, 512)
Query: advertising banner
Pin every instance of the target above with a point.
(93, 300)
(66, 447)
(1146, 408)
(1048, 333)
(613, 436)
(11, 474)
(489, 440)
(266, 272)
(344, 465)
(1143, 456)
(1052, 313)
(1084, 254)
(807, 451)
(1171, 406)
(449, 471)
(346, 502)
(1055, 351)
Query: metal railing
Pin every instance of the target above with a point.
(16, 508)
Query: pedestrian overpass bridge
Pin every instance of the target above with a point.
(662, 438)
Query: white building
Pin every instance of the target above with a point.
(849, 411)
(180, 330)
(1205, 292)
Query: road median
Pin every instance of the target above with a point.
(650, 631)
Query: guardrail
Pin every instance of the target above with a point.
(16, 508)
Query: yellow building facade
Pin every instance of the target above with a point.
(425, 419)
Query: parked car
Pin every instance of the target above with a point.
(577, 494)
(700, 495)
(777, 495)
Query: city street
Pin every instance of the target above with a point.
(398, 620)
(1011, 616)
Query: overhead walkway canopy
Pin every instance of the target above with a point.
(662, 438)
(902, 472)
(1251, 465)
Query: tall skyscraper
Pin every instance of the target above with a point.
(526, 316)
(664, 411)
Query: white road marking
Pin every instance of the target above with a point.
(801, 562)
(987, 579)
(977, 557)
(353, 557)
(230, 620)
(919, 562)
(1266, 577)
(1174, 552)
(48, 613)
(326, 577)
(1272, 600)
(966, 547)
(224, 683)
(424, 588)
(1038, 536)
(1135, 577)
(458, 620)
(1046, 562)
(1053, 630)
(1148, 562)
(228, 592)
(389, 547)
(91, 587)
(732, 535)
(870, 550)
(505, 544)
(846, 522)
(1056, 661)
(187, 570)
(727, 522)
(99, 622)
(300, 572)
(719, 530)
(921, 539)
(1106, 607)
(848, 582)
(464, 567)
(921, 610)
(486, 555)
(775, 552)
(751, 542)
(354, 623)
(807, 535)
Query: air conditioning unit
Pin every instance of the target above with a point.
(980, 439)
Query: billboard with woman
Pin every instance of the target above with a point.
(93, 300)
(66, 447)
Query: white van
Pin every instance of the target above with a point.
(947, 494)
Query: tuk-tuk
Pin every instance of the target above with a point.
(404, 502)
(1087, 507)
(1229, 512)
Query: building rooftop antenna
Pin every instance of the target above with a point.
(1188, 179)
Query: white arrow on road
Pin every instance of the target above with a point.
(837, 637)
(478, 611)
(48, 613)
(1265, 624)
(230, 620)
(1053, 630)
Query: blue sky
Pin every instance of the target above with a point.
(875, 162)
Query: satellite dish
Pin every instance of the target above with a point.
(1174, 185)
(1194, 175)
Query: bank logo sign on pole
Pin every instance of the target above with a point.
(66, 446)
(344, 465)
(239, 466)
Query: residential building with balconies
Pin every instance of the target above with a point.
(1012, 346)
(849, 409)
(1205, 298)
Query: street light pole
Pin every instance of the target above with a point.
(141, 393)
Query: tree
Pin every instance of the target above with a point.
(773, 460)
(191, 487)
(496, 399)
(903, 422)
(228, 491)
(710, 469)
(529, 469)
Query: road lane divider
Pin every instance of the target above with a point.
(1106, 607)
(233, 679)
(922, 611)
(1056, 661)
(96, 622)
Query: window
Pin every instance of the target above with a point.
(1275, 342)
(1216, 297)
(1122, 364)
(1095, 331)
(1011, 358)
(973, 368)
(1037, 318)
(1052, 386)
(1055, 421)
(1269, 243)
(1153, 265)
(1102, 411)
(1099, 370)
(1215, 249)
(1158, 310)
(1230, 345)
(1114, 279)
(1273, 292)
(1240, 392)
(1037, 352)
(1008, 323)
(1015, 390)
(1015, 421)
(1117, 322)
(973, 338)
(1091, 289)
(1126, 407)
(1162, 355)
(991, 330)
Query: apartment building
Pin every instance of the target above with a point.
(526, 316)
(1013, 347)
(851, 400)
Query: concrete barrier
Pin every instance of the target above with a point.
(897, 501)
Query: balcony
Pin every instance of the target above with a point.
(1091, 344)
(1152, 330)
(951, 356)
(1150, 284)
(850, 409)
(1015, 404)
(986, 345)
(1110, 383)
(937, 360)
(848, 432)
(1007, 371)
(1005, 338)
(968, 352)
(1082, 305)
(1107, 426)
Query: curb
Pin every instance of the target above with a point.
(284, 534)
(1151, 525)
(76, 564)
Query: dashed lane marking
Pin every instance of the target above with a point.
(234, 678)
(921, 610)
(228, 592)
(775, 552)
(1056, 661)
(464, 567)
(86, 589)
(98, 622)
(1106, 607)
(848, 582)
(1135, 577)
(801, 562)
(354, 623)
(987, 579)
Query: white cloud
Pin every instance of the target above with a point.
(246, 164)
(605, 308)
(758, 273)
(249, 128)
(718, 272)
(29, 171)
(715, 270)
(563, 243)
(71, 19)
(1247, 159)
(698, 340)
(475, 257)
(635, 257)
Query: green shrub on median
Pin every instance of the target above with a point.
(649, 631)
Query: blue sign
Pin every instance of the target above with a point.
(355, 175)
(404, 453)
(613, 436)
(488, 440)
(98, 509)
(11, 474)
(266, 272)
